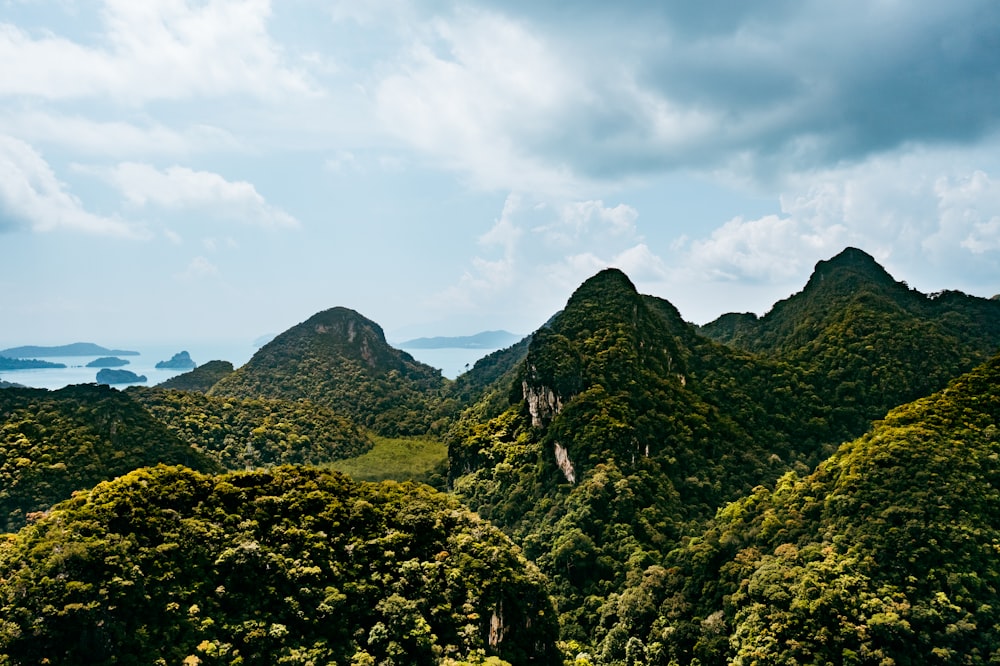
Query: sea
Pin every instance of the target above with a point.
(451, 362)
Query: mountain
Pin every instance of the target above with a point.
(107, 362)
(867, 340)
(201, 379)
(484, 340)
(74, 349)
(885, 554)
(624, 431)
(7, 363)
(179, 361)
(288, 566)
(340, 359)
(244, 434)
(58, 442)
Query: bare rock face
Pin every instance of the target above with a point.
(543, 404)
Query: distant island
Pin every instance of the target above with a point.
(7, 363)
(4, 385)
(75, 349)
(484, 340)
(107, 362)
(180, 361)
(108, 376)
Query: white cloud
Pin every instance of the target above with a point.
(473, 92)
(113, 138)
(31, 195)
(181, 188)
(200, 268)
(156, 49)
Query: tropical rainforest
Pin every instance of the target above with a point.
(817, 485)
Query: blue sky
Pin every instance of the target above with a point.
(181, 170)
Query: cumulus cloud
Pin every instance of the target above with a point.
(160, 49)
(181, 188)
(527, 98)
(31, 196)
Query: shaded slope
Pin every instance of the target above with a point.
(340, 359)
(58, 442)
(201, 379)
(887, 552)
(249, 433)
(869, 342)
(287, 566)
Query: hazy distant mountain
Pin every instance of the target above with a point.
(179, 361)
(484, 340)
(340, 359)
(7, 363)
(74, 349)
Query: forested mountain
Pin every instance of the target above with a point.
(53, 443)
(887, 553)
(201, 379)
(868, 342)
(685, 492)
(288, 566)
(627, 430)
(340, 359)
(251, 433)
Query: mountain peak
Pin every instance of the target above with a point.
(854, 261)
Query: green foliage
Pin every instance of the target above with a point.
(886, 554)
(245, 434)
(627, 431)
(53, 443)
(397, 459)
(341, 360)
(867, 342)
(286, 566)
(201, 379)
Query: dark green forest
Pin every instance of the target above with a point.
(817, 485)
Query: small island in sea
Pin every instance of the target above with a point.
(7, 363)
(74, 349)
(108, 376)
(107, 362)
(179, 361)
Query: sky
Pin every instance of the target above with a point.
(219, 170)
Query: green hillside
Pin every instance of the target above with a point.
(886, 554)
(289, 566)
(869, 342)
(53, 443)
(626, 431)
(340, 359)
(201, 379)
(245, 434)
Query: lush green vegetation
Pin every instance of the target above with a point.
(399, 459)
(246, 434)
(287, 566)
(868, 342)
(887, 553)
(53, 443)
(202, 378)
(339, 359)
(685, 493)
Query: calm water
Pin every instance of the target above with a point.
(451, 362)
(75, 371)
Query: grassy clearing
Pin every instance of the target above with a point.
(399, 459)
